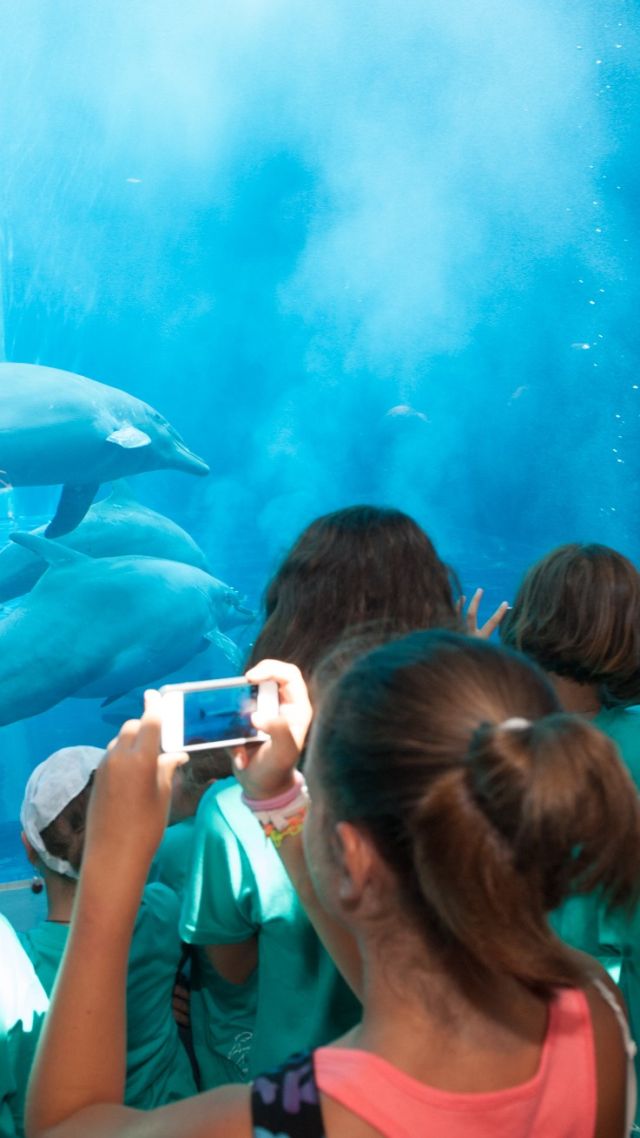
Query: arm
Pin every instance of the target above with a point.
(266, 771)
(234, 962)
(223, 1113)
(77, 1082)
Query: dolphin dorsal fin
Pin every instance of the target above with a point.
(51, 551)
(129, 437)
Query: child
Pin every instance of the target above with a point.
(53, 817)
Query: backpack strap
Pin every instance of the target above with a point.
(285, 1102)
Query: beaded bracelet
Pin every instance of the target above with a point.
(283, 815)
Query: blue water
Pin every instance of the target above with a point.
(352, 251)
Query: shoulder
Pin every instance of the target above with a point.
(612, 1065)
(622, 724)
(178, 835)
(222, 818)
(171, 861)
(222, 800)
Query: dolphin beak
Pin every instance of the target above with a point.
(185, 459)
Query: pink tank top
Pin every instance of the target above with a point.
(558, 1102)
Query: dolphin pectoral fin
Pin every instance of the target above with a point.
(112, 699)
(51, 551)
(226, 646)
(73, 505)
(129, 437)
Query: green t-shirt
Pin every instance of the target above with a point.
(23, 1003)
(238, 888)
(158, 1068)
(171, 863)
(582, 921)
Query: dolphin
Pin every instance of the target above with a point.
(205, 666)
(100, 627)
(115, 526)
(56, 426)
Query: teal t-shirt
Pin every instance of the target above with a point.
(238, 888)
(582, 921)
(158, 1068)
(170, 865)
(23, 1003)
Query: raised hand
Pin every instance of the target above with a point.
(471, 615)
(132, 792)
(266, 769)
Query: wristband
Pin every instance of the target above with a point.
(279, 801)
(294, 826)
(282, 816)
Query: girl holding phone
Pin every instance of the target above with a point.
(452, 805)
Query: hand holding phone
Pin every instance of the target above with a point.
(216, 713)
(268, 770)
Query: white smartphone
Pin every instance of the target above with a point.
(215, 713)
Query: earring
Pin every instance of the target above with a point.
(37, 884)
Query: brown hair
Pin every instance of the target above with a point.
(577, 613)
(349, 568)
(488, 824)
(64, 837)
(205, 766)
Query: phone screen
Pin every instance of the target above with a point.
(215, 714)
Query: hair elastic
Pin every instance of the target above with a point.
(515, 724)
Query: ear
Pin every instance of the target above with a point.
(354, 857)
(29, 850)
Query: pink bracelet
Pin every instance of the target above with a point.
(279, 801)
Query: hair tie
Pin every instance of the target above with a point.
(515, 724)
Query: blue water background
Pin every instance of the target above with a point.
(354, 251)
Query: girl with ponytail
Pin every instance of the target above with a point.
(449, 803)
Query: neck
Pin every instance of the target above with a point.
(60, 895)
(409, 995)
(582, 699)
(185, 804)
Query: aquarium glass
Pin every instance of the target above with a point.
(352, 251)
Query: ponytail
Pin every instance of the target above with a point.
(558, 792)
(487, 821)
(537, 811)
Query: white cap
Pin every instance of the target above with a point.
(52, 786)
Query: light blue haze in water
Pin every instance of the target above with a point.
(353, 251)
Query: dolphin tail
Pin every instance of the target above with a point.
(73, 505)
(51, 551)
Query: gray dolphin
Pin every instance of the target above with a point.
(57, 427)
(100, 627)
(116, 526)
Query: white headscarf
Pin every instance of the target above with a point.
(51, 787)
